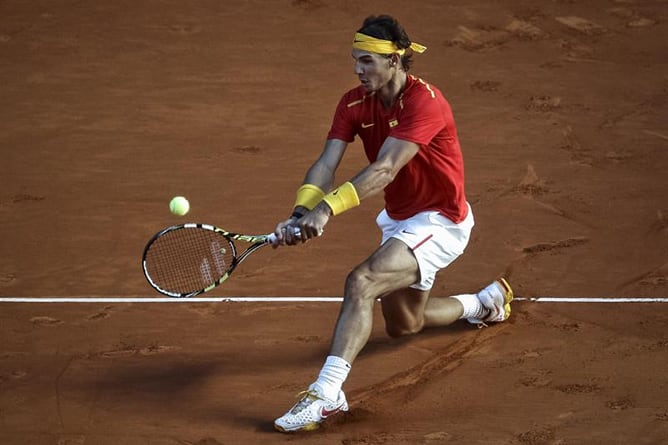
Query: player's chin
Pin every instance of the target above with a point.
(367, 86)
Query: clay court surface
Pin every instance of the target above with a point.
(108, 109)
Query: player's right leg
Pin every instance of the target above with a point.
(310, 411)
(392, 266)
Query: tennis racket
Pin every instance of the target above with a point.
(190, 259)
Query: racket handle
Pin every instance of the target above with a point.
(271, 238)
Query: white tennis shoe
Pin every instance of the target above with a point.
(496, 298)
(311, 410)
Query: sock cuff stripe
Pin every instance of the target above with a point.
(337, 361)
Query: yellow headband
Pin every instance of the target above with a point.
(380, 46)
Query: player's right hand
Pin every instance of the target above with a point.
(285, 233)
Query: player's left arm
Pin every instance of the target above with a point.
(392, 157)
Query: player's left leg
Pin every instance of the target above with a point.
(435, 242)
(408, 311)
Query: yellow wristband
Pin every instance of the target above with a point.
(309, 195)
(342, 199)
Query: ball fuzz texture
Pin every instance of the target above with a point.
(179, 205)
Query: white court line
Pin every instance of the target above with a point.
(591, 300)
(291, 299)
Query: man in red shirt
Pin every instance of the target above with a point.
(411, 142)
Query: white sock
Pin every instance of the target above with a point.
(332, 375)
(473, 308)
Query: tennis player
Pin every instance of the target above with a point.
(410, 140)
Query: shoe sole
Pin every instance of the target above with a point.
(307, 427)
(507, 297)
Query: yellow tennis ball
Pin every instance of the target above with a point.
(179, 205)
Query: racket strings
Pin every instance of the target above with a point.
(189, 259)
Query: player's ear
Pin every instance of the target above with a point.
(394, 59)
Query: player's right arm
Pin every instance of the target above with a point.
(321, 176)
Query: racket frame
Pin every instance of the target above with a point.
(256, 242)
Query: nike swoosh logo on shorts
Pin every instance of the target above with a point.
(368, 125)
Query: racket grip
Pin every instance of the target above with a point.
(271, 238)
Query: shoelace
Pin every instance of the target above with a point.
(306, 398)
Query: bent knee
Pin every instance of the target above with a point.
(360, 283)
(396, 330)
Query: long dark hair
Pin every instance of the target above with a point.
(387, 27)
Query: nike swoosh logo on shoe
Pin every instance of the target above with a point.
(326, 412)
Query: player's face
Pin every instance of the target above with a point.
(373, 70)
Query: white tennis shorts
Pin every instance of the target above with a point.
(435, 240)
